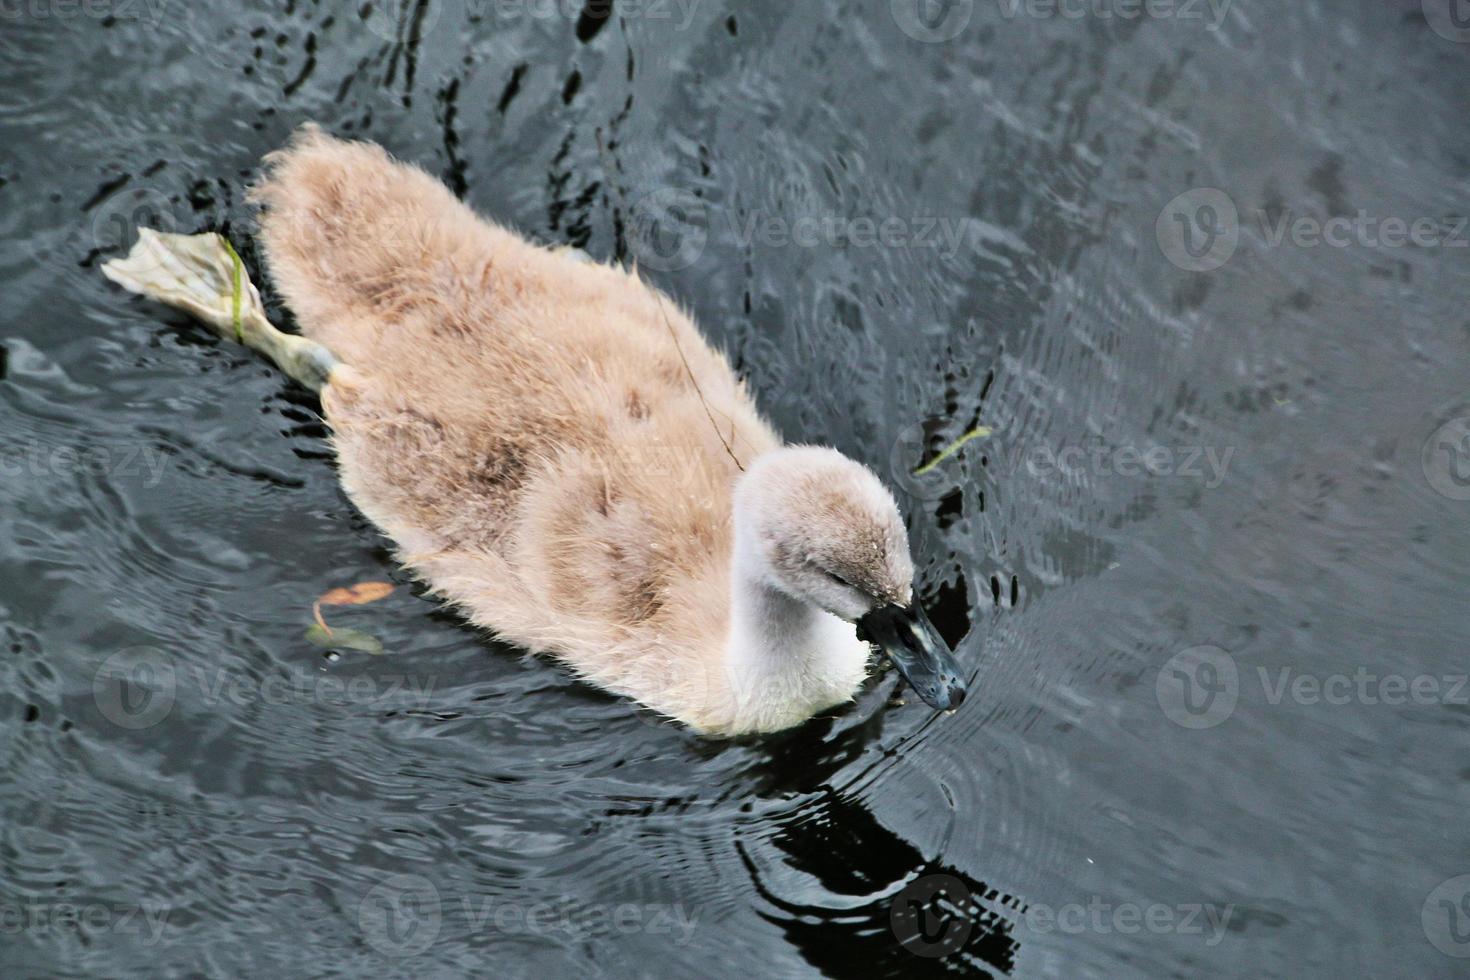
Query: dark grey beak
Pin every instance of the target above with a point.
(918, 651)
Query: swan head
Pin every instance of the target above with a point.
(823, 529)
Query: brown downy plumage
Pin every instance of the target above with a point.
(553, 447)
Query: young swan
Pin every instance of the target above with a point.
(555, 449)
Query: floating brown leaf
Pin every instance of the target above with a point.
(353, 595)
(357, 595)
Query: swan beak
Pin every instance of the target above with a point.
(918, 651)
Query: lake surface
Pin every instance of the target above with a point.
(1200, 269)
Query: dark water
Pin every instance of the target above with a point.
(1210, 560)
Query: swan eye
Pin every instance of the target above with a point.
(838, 579)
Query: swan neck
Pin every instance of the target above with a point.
(787, 658)
(766, 618)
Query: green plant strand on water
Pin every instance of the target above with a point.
(979, 432)
(235, 293)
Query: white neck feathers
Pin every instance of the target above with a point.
(786, 659)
